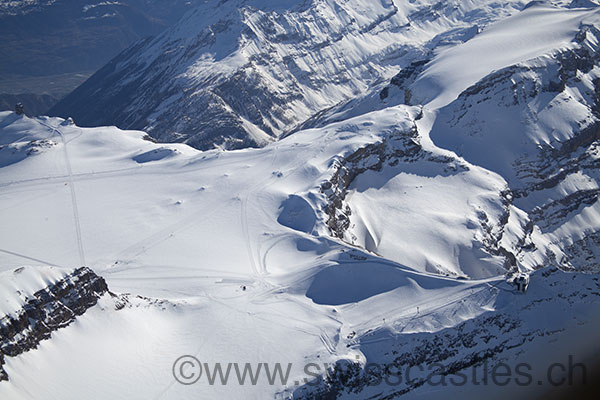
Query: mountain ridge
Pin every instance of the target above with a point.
(294, 61)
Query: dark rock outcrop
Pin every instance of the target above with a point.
(48, 310)
(398, 146)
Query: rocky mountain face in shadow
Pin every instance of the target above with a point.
(244, 73)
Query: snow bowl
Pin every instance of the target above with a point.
(353, 282)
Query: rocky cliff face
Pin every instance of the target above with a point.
(398, 146)
(48, 310)
(242, 73)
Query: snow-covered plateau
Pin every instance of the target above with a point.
(333, 184)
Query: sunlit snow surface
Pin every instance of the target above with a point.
(193, 228)
(230, 250)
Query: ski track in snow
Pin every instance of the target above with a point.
(25, 257)
(73, 194)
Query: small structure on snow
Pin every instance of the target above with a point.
(20, 109)
(521, 282)
(68, 122)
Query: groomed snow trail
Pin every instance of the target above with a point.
(76, 218)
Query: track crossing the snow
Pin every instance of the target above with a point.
(76, 218)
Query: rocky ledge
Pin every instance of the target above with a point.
(48, 310)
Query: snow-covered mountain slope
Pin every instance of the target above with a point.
(538, 30)
(293, 59)
(190, 229)
(288, 179)
(448, 216)
(536, 123)
(557, 314)
(529, 115)
(232, 252)
(436, 80)
(382, 229)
